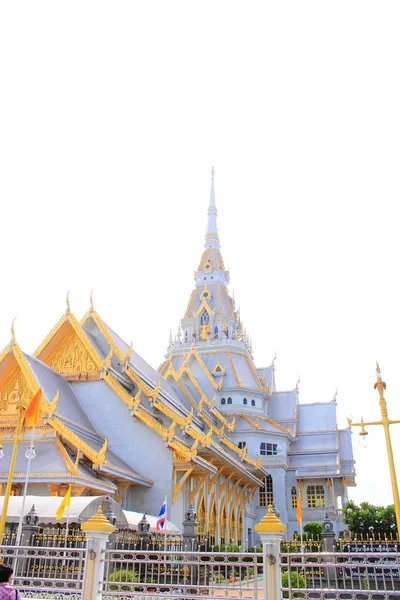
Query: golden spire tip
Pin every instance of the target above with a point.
(68, 311)
(91, 301)
(13, 331)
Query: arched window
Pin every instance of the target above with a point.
(229, 401)
(253, 402)
(223, 401)
(201, 517)
(186, 336)
(212, 524)
(215, 331)
(222, 525)
(244, 400)
(204, 318)
(294, 496)
(266, 492)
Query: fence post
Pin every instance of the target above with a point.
(97, 530)
(271, 530)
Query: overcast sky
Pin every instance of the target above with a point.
(111, 116)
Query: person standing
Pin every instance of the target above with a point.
(7, 591)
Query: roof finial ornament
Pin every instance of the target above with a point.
(273, 361)
(335, 394)
(91, 301)
(212, 240)
(297, 383)
(68, 311)
(12, 341)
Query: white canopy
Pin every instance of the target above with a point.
(80, 509)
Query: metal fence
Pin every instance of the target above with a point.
(340, 575)
(182, 574)
(39, 570)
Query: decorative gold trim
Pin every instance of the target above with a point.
(255, 423)
(228, 301)
(104, 331)
(238, 381)
(232, 490)
(97, 458)
(178, 486)
(72, 468)
(222, 485)
(221, 309)
(220, 416)
(193, 493)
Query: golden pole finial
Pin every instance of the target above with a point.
(68, 311)
(297, 383)
(212, 172)
(13, 331)
(91, 301)
(273, 361)
(335, 394)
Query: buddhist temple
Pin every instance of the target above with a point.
(209, 427)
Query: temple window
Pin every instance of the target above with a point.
(253, 402)
(244, 400)
(315, 496)
(242, 445)
(267, 449)
(204, 318)
(294, 496)
(229, 401)
(186, 336)
(266, 493)
(216, 333)
(223, 401)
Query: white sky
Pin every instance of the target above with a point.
(111, 115)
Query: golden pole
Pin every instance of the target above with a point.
(385, 421)
(381, 385)
(11, 472)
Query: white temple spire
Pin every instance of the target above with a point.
(212, 240)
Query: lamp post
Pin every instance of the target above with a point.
(385, 421)
(18, 430)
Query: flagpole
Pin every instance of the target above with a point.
(11, 472)
(28, 470)
(301, 534)
(165, 528)
(66, 527)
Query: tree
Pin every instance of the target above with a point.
(367, 519)
(313, 529)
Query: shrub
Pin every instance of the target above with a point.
(123, 576)
(297, 581)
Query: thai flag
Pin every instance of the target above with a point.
(162, 516)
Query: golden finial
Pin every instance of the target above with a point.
(380, 386)
(335, 394)
(297, 383)
(212, 172)
(68, 311)
(273, 361)
(363, 430)
(91, 301)
(12, 331)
